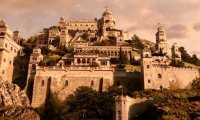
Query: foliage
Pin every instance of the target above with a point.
(187, 58)
(196, 84)
(176, 63)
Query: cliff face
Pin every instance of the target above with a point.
(14, 103)
(10, 94)
(18, 113)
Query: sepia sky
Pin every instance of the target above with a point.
(181, 18)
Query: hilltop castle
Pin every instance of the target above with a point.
(90, 64)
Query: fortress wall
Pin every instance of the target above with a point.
(102, 79)
(155, 77)
(183, 76)
(40, 91)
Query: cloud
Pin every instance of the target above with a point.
(177, 31)
(138, 16)
(196, 27)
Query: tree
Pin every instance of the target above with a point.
(87, 103)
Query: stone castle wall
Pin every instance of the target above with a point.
(164, 76)
(64, 82)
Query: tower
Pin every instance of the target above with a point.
(121, 108)
(161, 42)
(35, 58)
(146, 66)
(16, 36)
(64, 36)
(107, 21)
(8, 54)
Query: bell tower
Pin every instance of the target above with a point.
(161, 42)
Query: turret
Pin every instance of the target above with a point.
(121, 108)
(161, 42)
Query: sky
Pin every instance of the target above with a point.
(180, 18)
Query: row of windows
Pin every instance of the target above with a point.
(4, 60)
(11, 48)
(67, 83)
(82, 25)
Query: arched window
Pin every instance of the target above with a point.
(42, 83)
(66, 83)
(161, 87)
(92, 83)
(78, 61)
(88, 61)
(83, 61)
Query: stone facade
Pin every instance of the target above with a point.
(127, 108)
(111, 51)
(156, 70)
(66, 80)
(9, 53)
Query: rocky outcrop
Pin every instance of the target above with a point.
(11, 94)
(18, 113)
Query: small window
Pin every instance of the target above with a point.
(161, 87)
(10, 62)
(92, 83)
(66, 83)
(6, 45)
(159, 76)
(149, 81)
(15, 51)
(42, 83)
(11, 48)
(146, 55)
(4, 59)
(3, 72)
(148, 66)
(119, 112)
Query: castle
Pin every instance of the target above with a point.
(90, 65)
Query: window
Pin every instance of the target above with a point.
(161, 87)
(149, 81)
(92, 83)
(15, 50)
(159, 76)
(11, 48)
(78, 61)
(3, 72)
(66, 83)
(146, 55)
(10, 62)
(148, 66)
(42, 83)
(4, 59)
(6, 45)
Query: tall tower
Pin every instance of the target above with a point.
(161, 42)
(64, 36)
(35, 58)
(121, 108)
(9, 50)
(16, 36)
(176, 54)
(107, 21)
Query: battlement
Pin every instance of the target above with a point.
(72, 68)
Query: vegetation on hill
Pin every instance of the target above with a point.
(187, 58)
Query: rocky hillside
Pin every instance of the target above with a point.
(18, 113)
(14, 103)
(11, 94)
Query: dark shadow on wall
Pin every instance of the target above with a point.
(137, 109)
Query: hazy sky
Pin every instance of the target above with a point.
(181, 18)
